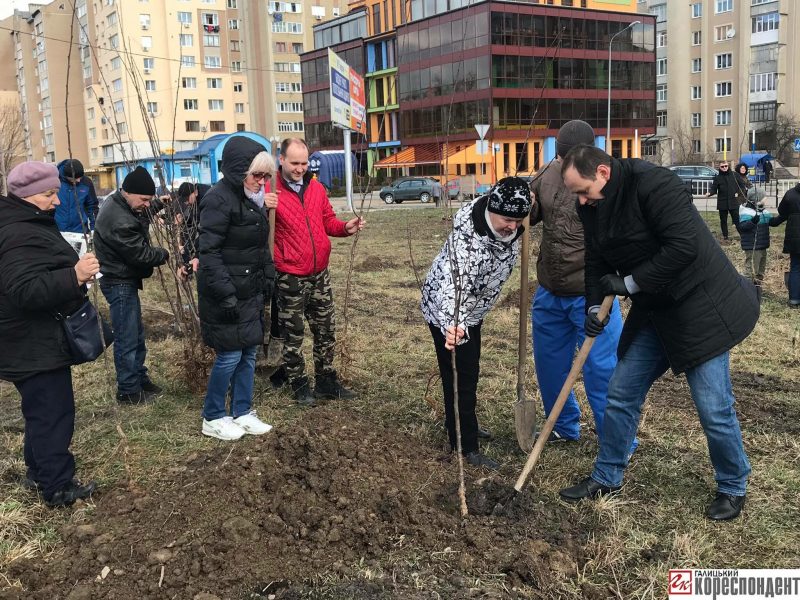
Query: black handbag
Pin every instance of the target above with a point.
(82, 330)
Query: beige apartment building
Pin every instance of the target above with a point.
(727, 71)
(275, 34)
(34, 62)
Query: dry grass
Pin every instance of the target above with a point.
(632, 540)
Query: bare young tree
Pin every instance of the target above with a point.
(12, 140)
(681, 135)
(780, 137)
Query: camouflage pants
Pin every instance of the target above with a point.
(309, 297)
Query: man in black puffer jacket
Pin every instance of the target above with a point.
(122, 243)
(645, 239)
(235, 280)
(725, 186)
(789, 210)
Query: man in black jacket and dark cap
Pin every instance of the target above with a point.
(122, 245)
(645, 239)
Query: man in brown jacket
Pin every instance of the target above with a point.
(558, 311)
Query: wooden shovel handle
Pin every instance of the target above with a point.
(577, 366)
(522, 346)
(273, 187)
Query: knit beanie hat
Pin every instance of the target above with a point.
(756, 195)
(139, 182)
(73, 168)
(511, 197)
(573, 133)
(31, 178)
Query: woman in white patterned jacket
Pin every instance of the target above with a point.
(462, 285)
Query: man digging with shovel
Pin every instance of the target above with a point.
(462, 286)
(645, 239)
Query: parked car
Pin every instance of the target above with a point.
(698, 178)
(408, 188)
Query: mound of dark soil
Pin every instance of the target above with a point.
(334, 507)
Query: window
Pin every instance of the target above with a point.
(723, 32)
(113, 41)
(112, 19)
(660, 11)
(90, 113)
(234, 45)
(212, 62)
(144, 21)
(661, 92)
(695, 146)
(722, 144)
(192, 125)
(661, 39)
(697, 120)
(187, 40)
(697, 92)
(189, 82)
(152, 108)
(289, 87)
(697, 65)
(763, 111)
(116, 85)
(214, 83)
(723, 61)
(280, 46)
(187, 61)
(297, 48)
(216, 104)
(238, 87)
(233, 24)
(150, 85)
(283, 67)
(232, 4)
(723, 6)
(661, 66)
(119, 106)
(241, 127)
(697, 38)
(211, 19)
(216, 125)
(92, 133)
(211, 41)
(661, 118)
(238, 107)
(236, 66)
(290, 106)
(147, 42)
(697, 10)
(286, 127)
(722, 117)
(723, 88)
(766, 22)
(48, 121)
(116, 63)
(763, 82)
(286, 27)
(190, 104)
(184, 17)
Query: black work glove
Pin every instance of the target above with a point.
(230, 310)
(594, 326)
(613, 285)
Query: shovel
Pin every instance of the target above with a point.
(524, 407)
(577, 366)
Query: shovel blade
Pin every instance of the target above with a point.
(525, 423)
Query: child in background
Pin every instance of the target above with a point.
(753, 227)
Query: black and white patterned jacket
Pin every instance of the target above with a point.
(481, 265)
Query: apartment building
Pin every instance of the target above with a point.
(35, 60)
(275, 33)
(725, 73)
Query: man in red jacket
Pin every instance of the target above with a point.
(303, 221)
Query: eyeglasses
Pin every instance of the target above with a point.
(723, 166)
(258, 176)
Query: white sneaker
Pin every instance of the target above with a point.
(222, 429)
(251, 424)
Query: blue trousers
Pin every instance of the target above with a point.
(233, 370)
(129, 348)
(557, 330)
(710, 385)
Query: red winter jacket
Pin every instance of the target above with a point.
(302, 227)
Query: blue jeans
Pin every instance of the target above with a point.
(129, 348)
(710, 385)
(234, 369)
(794, 278)
(557, 329)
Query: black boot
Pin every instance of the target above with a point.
(329, 388)
(476, 459)
(725, 507)
(302, 392)
(279, 378)
(588, 488)
(74, 490)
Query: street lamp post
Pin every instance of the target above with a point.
(608, 113)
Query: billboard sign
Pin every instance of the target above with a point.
(348, 100)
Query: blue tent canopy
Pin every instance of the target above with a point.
(329, 165)
(756, 159)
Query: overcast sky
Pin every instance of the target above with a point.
(7, 6)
